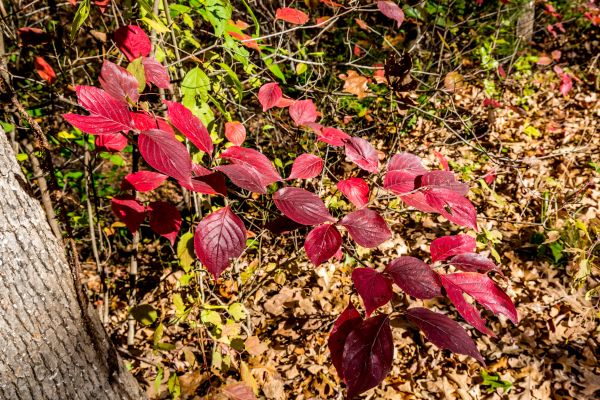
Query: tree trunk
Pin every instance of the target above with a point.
(52, 345)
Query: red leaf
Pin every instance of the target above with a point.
(366, 227)
(452, 206)
(406, 162)
(284, 102)
(448, 246)
(356, 190)
(443, 161)
(190, 125)
(343, 325)
(244, 176)
(235, 132)
(145, 122)
(143, 181)
(415, 277)
(219, 237)
(132, 41)
(391, 10)
(400, 181)
(44, 70)
(471, 262)
(486, 292)
(362, 153)
(165, 219)
(291, 15)
(111, 142)
(301, 206)
(255, 159)
(245, 39)
(322, 243)
(368, 355)
(444, 332)
(166, 154)
(303, 112)
(269, 95)
(402, 171)
(306, 166)
(156, 73)
(333, 136)
(129, 211)
(107, 115)
(418, 201)
(375, 289)
(442, 180)
(211, 183)
(566, 84)
(118, 82)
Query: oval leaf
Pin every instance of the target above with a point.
(110, 142)
(400, 181)
(166, 154)
(472, 262)
(235, 132)
(343, 325)
(366, 227)
(356, 190)
(391, 10)
(118, 82)
(269, 95)
(156, 73)
(322, 243)
(362, 153)
(406, 162)
(333, 136)
(143, 181)
(415, 277)
(374, 288)
(129, 211)
(303, 112)
(190, 125)
(452, 206)
(219, 237)
(448, 246)
(254, 159)
(243, 176)
(442, 180)
(291, 15)
(132, 41)
(165, 219)
(306, 166)
(301, 206)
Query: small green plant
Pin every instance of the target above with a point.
(492, 382)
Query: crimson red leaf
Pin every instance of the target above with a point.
(118, 82)
(467, 310)
(219, 237)
(235, 132)
(399, 181)
(366, 227)
(129, 211)
(356, 190)
(418, 201)
(143, 181)
(415, 277)
(444, 332)
(269, 95)
(391, 10)
(442, 180)
(211, 183)
(301, 206)
(471, 262)
(291, 15)
(333, 136)
(406, 162)
(486, 292)
(368, 354)
(107, 115)
(303, 112)
(306, 166)
(144, 122)
(374, 288)
(281, 225)
(165, 219)
(156, 73)
(243, 176)
(322, 243)
(255, 159)
(343, 325)
(452, 206)
(111, 142)
(166, 154)
(362, 153)
(448, 246)
(44, 70)
(132, 41)
(190, 125)
(402, 170)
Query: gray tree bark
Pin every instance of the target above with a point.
(51, 345)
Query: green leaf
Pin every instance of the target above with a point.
(196, 83)
(83, 11)
(274, 68)
(237, 311)
(185, 251)
(137, 69)
(217, 13)
(234, 78)
(145, 314)
(179, 306)
(157, 25)
(211, 317)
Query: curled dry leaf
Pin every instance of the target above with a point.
(356, 84)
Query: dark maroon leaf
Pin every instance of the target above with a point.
(243, 176)
(255, 159)
(281, 225)
(447, 246)
(211, 183)
(269, 94)
(444, 332)
(356, 190)
(129, 211)
(362, 153)
(366, 227)
(306, 166)
(132, 41)
(302, 206)
(415, 277)
(303, 112)
(118, 82)
(472, 262)
(442, 180)
(343, 325)
(332, 136)
(322, 243)
(166, 154)
(452, 206)
(368, 354)
(219, 237)
(486, 292)
(190, 125)
(156, 73)
(143, 181)
(32, 36)
(374, 288)
(165, 219)
(110, 142)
